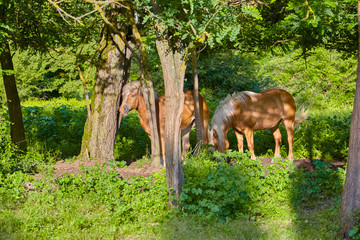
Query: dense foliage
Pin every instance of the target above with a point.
(56, 125)
(98, 203)
(247, 189)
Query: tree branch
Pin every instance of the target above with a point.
(285, 40)
(308, 11)
(113, 28)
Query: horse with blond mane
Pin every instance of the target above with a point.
(132, 98)
(247, 111)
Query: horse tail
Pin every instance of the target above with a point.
(301, 115)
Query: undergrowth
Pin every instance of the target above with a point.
(219, 200)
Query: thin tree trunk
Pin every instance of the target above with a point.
(113, 73)
(198, 122)
(148, 93)
(17, 130)
(350, 201)
(174, 72)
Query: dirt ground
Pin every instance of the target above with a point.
(62, 168)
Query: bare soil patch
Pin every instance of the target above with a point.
(62, 168)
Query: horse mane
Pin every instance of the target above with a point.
(226, 110)
(137, 84)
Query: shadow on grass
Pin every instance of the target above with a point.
(197, 228)
(287, 202)
(316, 199)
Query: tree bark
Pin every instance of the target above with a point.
(350, 201)
(112, 74)
(198, 122)
(148, 93)
(17, 130)
(174, 73)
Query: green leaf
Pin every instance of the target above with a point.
(353, 231)
(251, 11)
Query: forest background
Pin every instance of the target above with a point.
(320, 73)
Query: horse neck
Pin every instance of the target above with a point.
(222, 125)
(141, 107)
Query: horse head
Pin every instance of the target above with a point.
(218, 140)
(213, 140)
(130, 96)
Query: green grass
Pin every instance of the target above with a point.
(102, 205)
(72, 219)
(55, 102)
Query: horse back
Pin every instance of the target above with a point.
(189, 110)
(284, 100)
(266, 109)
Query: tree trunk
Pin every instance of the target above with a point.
(173, 68)
(148, 93)
(198, 122)
(17, 130)
(113, 72)
(350, 201)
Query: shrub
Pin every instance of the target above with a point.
(248, 189)
(324, 135)
(55, 126)
(7, 148)
(321, 184)
(218, 189)
(132, 142)
(58, 125)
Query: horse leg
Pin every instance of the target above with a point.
(240, 140)
(277, 136)
(186, 143)
(250, 141)
(162, 150)
(204, 115)
(289, 124)
(185, 136)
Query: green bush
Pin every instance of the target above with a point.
(12, 191)
(126, 199)
(96, 203)
(325, 78)
(217, 189)
(7, 148)
(48, 75)
(248, 189)
(57, 127)
(324, 135)
(11, 158)
(132, 142)
(320, 184)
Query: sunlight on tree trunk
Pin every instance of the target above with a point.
(17, 130)
(173, 66)
(174, 73)
(350, 201)
(112, 74)
(148, 93)
(198, 122)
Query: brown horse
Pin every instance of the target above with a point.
(133, 99)
(247, 111)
